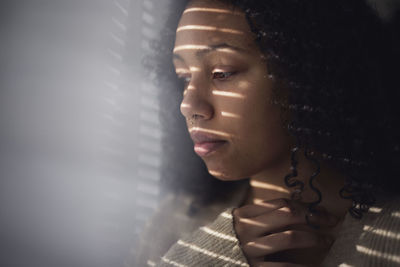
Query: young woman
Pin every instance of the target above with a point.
(297, 99)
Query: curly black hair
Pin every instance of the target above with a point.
(338, 62)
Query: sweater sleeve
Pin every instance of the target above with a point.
(215, 244)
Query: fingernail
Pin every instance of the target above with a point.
(311, 220)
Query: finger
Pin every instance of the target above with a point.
(322, 218)
(269, 222)
(291, 239)
(277, 264)
(282, 218)
(259, 208)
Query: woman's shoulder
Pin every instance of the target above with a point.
(373, 240)
(215, 244)
(170, 221)
(176, 218)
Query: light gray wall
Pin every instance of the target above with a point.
(79, 131)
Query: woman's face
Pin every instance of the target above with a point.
(227, 93)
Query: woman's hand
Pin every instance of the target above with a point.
(275, 233)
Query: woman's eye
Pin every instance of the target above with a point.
(222, 76)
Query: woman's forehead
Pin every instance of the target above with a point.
(203, 24)
(213, 14)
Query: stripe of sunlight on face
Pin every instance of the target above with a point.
(206, 48)
(230, 115)
(220, 133)
(211, 10)
(215, 173)
(227, 94)
(208, 28)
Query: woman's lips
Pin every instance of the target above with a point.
(205, 148)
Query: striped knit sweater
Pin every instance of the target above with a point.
(213, 245)
(372, 241)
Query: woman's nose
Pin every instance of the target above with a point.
(196, 103)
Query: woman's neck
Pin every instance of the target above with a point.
(269, 184)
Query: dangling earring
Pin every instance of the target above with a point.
(312, 205)
(289, 181)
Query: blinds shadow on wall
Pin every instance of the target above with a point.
(79, 134)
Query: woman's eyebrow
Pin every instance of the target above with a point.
(205, 49)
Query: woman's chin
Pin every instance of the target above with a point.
(223, 176)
